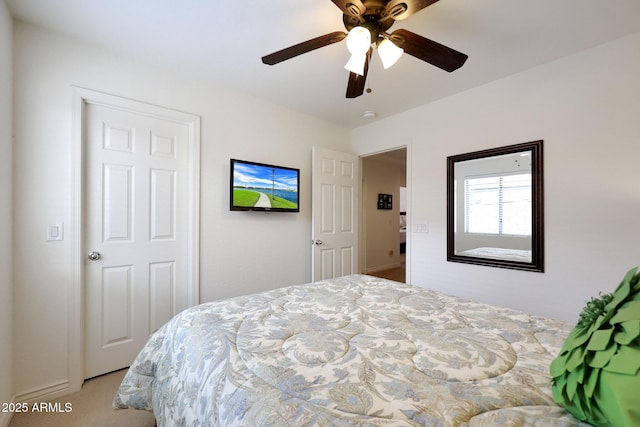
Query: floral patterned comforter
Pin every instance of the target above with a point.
(353, 351)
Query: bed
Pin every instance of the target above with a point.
(521, 255)
(352, 351)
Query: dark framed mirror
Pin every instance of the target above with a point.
(495, 207)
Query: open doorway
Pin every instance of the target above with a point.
(384, 210)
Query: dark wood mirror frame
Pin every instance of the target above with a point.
(537, 214)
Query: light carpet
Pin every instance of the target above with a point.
(91, 406)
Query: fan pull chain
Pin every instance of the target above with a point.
(368, 89)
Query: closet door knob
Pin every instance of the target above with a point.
(94, 256)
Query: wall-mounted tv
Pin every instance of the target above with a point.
(262, 187)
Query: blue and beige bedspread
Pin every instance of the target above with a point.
(353, 351)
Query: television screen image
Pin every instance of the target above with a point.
(263, 187)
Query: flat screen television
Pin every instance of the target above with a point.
(263, 187)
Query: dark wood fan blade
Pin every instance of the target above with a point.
(355, 87)
(351, 7)
(304, 47)
(401, 9)
(429, 51)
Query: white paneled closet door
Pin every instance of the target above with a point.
(136, 233)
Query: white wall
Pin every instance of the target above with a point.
(6, 286)
(240, 252)
(585, 107)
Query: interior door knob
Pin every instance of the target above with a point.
(317, 242)
(94, 256)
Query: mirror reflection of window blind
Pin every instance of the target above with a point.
(498, 205)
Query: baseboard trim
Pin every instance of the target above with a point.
(383, 267)
(45, 394)
(5, 417)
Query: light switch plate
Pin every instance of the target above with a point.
(55, 232)
(421, 228)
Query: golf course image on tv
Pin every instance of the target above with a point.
(264, 187)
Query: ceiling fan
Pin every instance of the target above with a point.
(367, 22)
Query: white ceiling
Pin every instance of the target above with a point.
(223, 41)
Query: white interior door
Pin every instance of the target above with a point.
(335, 195)
(137, 232)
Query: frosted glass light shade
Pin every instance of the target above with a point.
(389, 53)
(356, 63)
(358, 40)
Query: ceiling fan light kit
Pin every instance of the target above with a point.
(367, 22)
(356, 63)
(389, 53)
(358, 40)
(358, 44)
